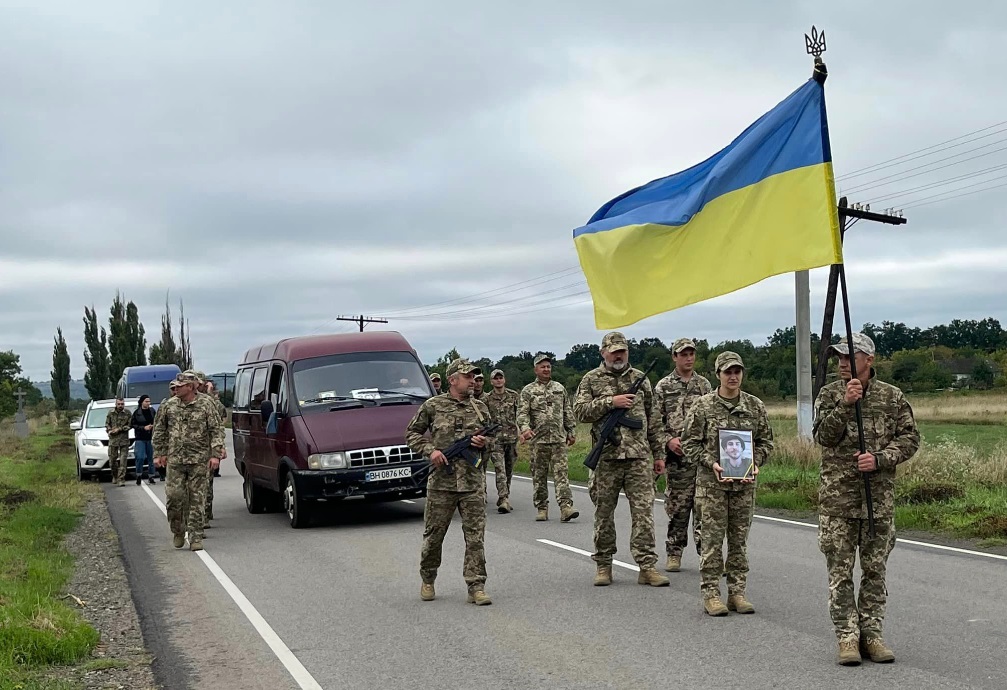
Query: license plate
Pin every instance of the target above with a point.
(395, 473)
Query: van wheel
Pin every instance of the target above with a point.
(297, 509)
(255, 498)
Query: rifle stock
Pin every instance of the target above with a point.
(615, 418)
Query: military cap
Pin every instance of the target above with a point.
(728, 359)
(682, 344)
(613, 342)
(541, 357)
(732, 437)
(186, 377)
(861, 343)
(435, 376)
(496, 372)
(462, 366)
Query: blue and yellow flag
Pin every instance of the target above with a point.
(763, 206)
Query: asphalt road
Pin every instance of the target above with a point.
(344, 598)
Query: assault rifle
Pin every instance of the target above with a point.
(462, 448)
(614, 418)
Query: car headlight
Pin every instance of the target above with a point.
(327, 461)
(91, 442)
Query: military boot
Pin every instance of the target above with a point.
(849, 655)
(505, 506)
(650, 576)
(738, 602)
(479, 598)
(674, 564)
(543, 515)
(568, 513)
(603, 577)
(196, 545)
(427, 591)
(178, 541)
(874, 649)
(714, 606)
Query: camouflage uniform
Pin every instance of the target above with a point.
(626, 462)
(188, 434)
(118, 424)
(890, 433)
(724, 509)
(447, 420)
(673, 397)
(545, 409)
(222, 415)
(503, 452)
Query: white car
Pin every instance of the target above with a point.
(91, 441)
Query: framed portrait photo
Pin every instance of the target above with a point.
(736, 453)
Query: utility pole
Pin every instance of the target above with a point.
(361, 320)
(20, 421)
(802, 335)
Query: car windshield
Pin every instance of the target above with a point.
(155, 390)
(96, 416)
(360, 376)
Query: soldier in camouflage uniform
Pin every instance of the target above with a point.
(448, 418)
(435, 379)
(118, 422)
(478, 387)
(891, 438)
(627, 463)
(674, 395)
(208, 389)
(189, 439)
(502, 403)
(545, 421)
(725, 506)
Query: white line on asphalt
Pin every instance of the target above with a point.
(582, 552)
(294, 667)
(406, 500)
(911, 542)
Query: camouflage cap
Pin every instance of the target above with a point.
(728, 359)
(461, 366)
(435, 376)
(187, 377)
(200, 376)
(173, 384)
(541, 357)
(613, 342)
(495, 373)
(861, 343)
(479, 375)
(682, 344)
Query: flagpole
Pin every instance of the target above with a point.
(816, 46)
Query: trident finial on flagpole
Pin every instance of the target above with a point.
(815, 44)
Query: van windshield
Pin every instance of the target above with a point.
(359, 375)
(155, 390)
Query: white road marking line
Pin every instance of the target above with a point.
(406, 500)
(911, 542)
(294, 667)
(582, 552)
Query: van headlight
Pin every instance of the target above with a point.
(327, 461)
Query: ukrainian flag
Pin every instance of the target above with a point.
(763, 206)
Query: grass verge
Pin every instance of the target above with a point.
(40, 502)
(955, 485)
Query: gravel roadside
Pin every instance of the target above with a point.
(99, 581)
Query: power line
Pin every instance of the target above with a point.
(868, 185)
(939, 183)
(956, 196)
(956, 189)
(494, 305)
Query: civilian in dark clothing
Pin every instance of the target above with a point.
(143, 425)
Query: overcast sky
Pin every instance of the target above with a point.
(277, 164)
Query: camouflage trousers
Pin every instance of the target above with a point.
(185, 489)
(503, 455)
(636, 479)
(209, 496)
(724, 514)
(117, 457)
(440, 508)
(840, 539)
(546, 457)
(679, 495)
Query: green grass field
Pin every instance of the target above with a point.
(40, 502)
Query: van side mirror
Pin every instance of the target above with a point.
(265, 410)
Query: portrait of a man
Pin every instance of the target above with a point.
(736, 453)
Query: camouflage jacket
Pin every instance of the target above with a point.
(503, 409)
(219, 407)
(701, 440)
(447, 420)
(673, 397)
(118, 424)
(889, 432)
(594, 401)
(545, 409)
(188, 433)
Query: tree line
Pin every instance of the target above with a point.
(963, 352)
(107, 351)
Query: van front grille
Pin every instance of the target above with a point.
(388, 455)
